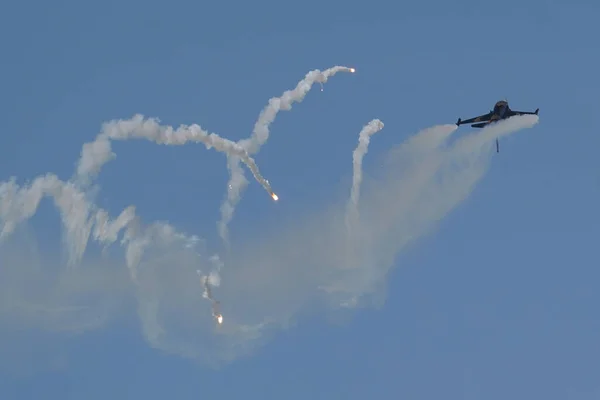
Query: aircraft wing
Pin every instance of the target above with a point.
(513, 112)
(481, 118)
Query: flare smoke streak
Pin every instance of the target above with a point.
(94, 155)
(260, 135)
(364, 137)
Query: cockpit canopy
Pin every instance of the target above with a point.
(500, 105)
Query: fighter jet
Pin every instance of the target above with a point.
(500, 111)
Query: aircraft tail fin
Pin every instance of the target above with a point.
(458, 122)
(537, 110)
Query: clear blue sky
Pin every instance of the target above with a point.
(499, 301)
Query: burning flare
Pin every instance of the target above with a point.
(207, 294)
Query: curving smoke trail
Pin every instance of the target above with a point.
(97, 153)
(364, 138)
(260, 135)
(83, 220)
(80, 218)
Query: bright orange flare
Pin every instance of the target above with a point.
(274, 196)
(352, 70)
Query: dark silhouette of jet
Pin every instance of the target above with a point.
(500, 111)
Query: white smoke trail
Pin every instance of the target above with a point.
(212, 279)
(422, 182)
(207, 281)
(260, 135)
(409, 164)
(97, 153)
(82, 220)
(364, 137)
(275, 275)
(17, 204)
(431, 171)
